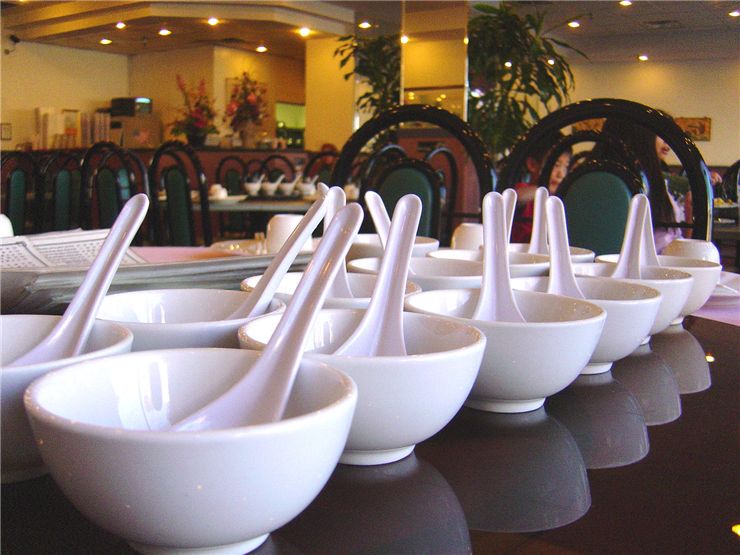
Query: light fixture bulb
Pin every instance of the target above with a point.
(551, 61)
(213, 21)
(364, 25)
(165, 32)
(105, 41)
(261, 48)
(643, 57)
(404, 39)
(573, 24)
(625, 3)
(507, 64)
(734, 13)
(120, 25)
(304, 31)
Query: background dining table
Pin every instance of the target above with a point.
(563, 479)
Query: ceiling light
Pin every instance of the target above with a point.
(120, 25)
(573, 24)
(551, 61)
(734, 13)
(643, 57)
(164, 32)
(105, 41)
(404, 39)
(364, 24)
(625, 3)
(261, 48)
(304, 31)
(213, 21)
(507, 64)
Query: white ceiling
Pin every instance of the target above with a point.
(665, 30)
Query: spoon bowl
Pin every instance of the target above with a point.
(368, 245)
(521, 264)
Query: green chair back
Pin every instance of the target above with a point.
(407, 178)
(233, 182)
(106, 189)
(179, 207)
(62, 200)
(596, 207)
(16, 208)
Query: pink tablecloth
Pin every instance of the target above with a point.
(178, 254)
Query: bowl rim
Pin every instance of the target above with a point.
(652, 294)
(37, 411)
(350, 275)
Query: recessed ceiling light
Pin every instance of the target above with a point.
(213, 21)
(261, 48)
(643, 57)
(120, 25)
(573, 24)
(105, 41)
(304, 31)
(404, 39)
(164, 32)
(625, 3)
(364, 24)
(734, 13)
(507, 64)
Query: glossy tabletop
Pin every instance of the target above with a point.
(642, 459)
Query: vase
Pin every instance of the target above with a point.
(196, 140)
(247, 133)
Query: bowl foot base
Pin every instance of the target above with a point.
(370, 458)
(22, 474)
(237, 548)
(677, 321)
(505, 406)
(596, 368)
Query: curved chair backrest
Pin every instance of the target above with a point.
(58, 196)
(172, 166)
(20, 180)
(321, 164)
(276, 165)
(449, 180)
(730, 185)
(231, 173)
(639, 114)
(253, 168)
(90, 161)
(410, 176)
(596, 196)
(447, 121)
(377, 162)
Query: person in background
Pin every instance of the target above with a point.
(649, 150)
(521, 229)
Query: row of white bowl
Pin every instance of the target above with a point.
(107, 408)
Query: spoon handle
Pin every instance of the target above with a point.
(70, 334)
(496, 301)
(562, 281)
(262, 394)
(538, 242)
(380, 332)
(335, 201)
(648, 252)
(259, 299)
(379, 214)
(510, 197)
(628, 265)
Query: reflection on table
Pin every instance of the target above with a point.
(491, 483)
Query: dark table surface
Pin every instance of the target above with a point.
(643, 459)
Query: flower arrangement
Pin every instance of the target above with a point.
(247, 102)
(196, 118)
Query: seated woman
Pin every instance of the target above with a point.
(521, 229)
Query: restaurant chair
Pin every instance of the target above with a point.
(58, 196)
(321, 164)
(253, 168)
(446, 121)
(661, 124)
(443, 161)
(176, 172)
(596, 196)
(377, 162)
(20, 179)
(231, 173)
(730, 185)
(276, 165)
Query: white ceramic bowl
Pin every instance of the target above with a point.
(630, 308)
(577, 254)
(706, 277)
(18, 334)
(430, 273)
(693, 248)
(253, 188)
(178, 318)
(361, 286)
(674, 286)
(403, 400)
(269, 188)
(520, 263)
(367, 245)
(524, 362)
(102, 430)
(287, 188)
